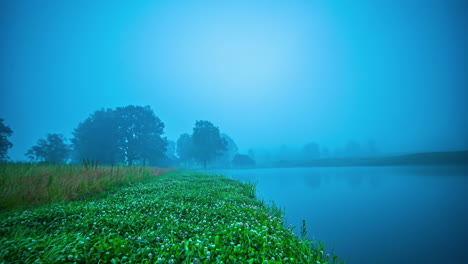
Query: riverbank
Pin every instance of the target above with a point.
(178, 217)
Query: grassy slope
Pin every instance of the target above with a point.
(26, 185)
(179, 217)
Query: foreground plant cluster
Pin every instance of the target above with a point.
(179, 217)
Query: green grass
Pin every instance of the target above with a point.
(179, 217)
(24, 185)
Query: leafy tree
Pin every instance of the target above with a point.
(185, 148)
(5, 144)
(124, 135)
(52, 149)
(96, 138)
(139, 134)
(241, 160)
(207, 142)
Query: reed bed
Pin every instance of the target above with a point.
(26, 185)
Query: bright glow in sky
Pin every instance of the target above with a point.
(222, 53)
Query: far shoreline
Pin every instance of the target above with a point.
(447, 158)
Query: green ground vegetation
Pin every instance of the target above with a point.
(178, 217)
(26, 185)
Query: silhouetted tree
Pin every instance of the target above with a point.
(5, 144)
(325, 152)
(207, 142)
(352, 149)
(140, 134)
(52, 149)
(123, 135)
(251, 154)
(311, 151)
(185, 148)
(97, 138)
(241, 160)
(228, 154)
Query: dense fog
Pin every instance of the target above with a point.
(284, 81)
(203, 131)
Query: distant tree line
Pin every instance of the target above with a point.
(313, 151)
(207, 145)
(52, 149)
(132, 135)
(124, 135)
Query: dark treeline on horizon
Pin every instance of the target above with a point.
(131, 135)
(134, 135)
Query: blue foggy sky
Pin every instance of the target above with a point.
(267, 73)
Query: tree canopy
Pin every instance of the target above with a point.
(124, 135)
(241, 160)
(207, 142)
(5, 144)
(52, 149)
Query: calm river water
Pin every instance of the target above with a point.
(370, 215)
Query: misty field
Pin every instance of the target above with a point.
(34, 184)
(178, 217)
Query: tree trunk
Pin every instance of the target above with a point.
(204, 163)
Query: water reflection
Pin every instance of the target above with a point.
(313, 180)
(368, 213)
(354, 180)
